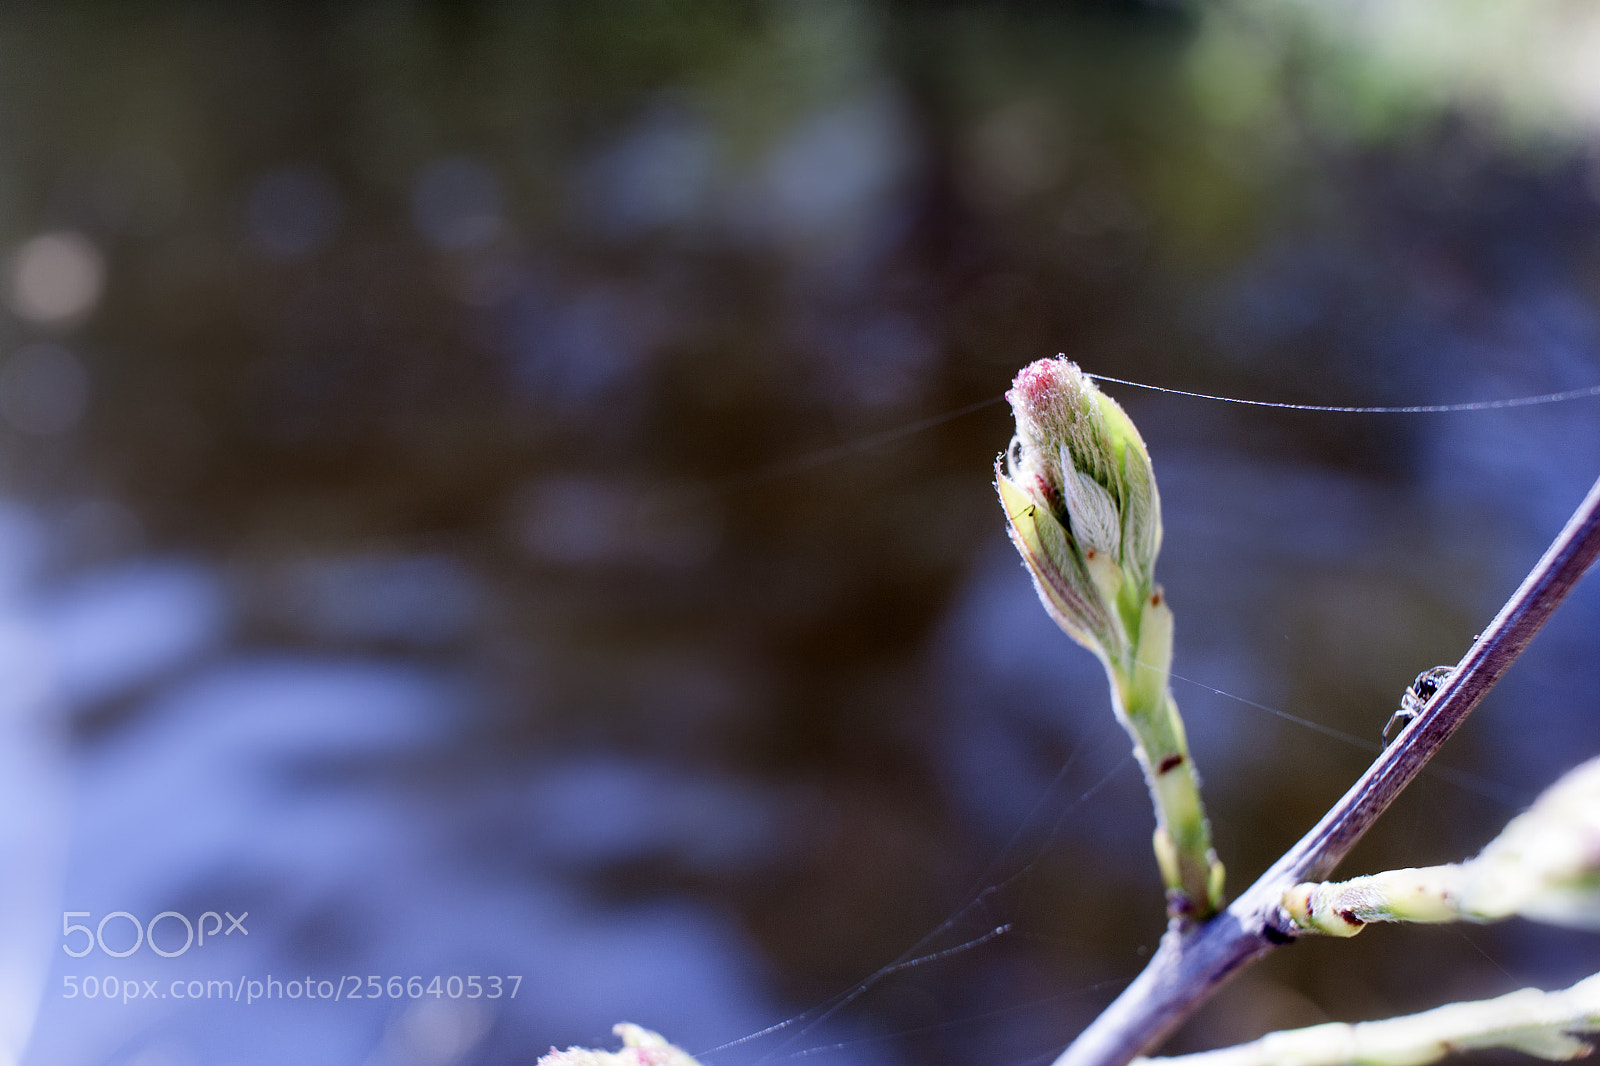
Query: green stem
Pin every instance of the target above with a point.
(1189, 866)
(1344, 908)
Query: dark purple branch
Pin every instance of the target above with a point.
(1192, 964)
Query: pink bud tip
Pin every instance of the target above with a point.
(1035, 384)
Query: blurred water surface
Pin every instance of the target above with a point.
(477, 500)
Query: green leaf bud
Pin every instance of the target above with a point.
(1082, 502)
(1083, 510)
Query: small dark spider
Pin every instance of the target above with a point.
(1416, 697)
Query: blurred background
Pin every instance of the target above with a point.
(474, 495)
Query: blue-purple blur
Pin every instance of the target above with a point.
(456, 510)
